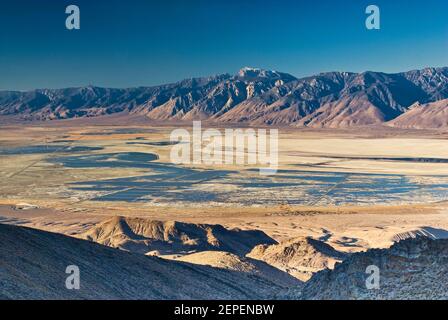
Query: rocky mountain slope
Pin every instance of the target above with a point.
(334, 99)
(423, 116)
(172, 237)
(33, 265)
(229, 261)
(411, 269)
(299, 257)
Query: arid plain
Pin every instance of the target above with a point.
(353, 189)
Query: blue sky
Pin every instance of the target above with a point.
(139, 43)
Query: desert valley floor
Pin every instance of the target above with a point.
(351, 189)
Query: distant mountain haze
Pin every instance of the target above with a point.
(258, 97)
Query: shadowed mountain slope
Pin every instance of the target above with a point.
(229, 261)
(410, 269)
(33, 264)
(422, 116)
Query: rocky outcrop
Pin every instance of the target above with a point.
(299, 257)
(411, 269)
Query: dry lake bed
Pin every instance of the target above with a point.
(353, 189)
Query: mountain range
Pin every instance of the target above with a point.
(414, 99)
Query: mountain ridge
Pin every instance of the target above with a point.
(255, 96)
(34, 264)
(412, 269)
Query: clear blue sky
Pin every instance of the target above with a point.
(139, 43)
